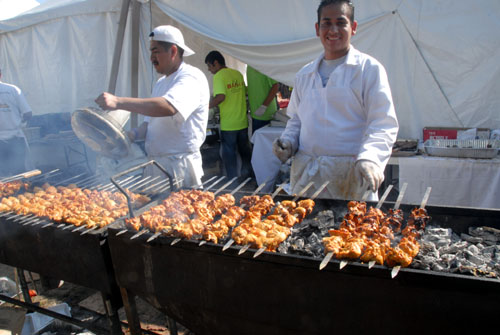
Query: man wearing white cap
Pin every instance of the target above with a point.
(177, 113)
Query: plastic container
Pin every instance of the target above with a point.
(35, 322)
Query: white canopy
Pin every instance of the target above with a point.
(441, 56)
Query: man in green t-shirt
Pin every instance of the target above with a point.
(229, 93)
(261, 97)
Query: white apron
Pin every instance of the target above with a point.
(330, 110)
(186, 168)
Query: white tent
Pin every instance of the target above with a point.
(441, 56)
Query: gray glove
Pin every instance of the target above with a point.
(369, 172)
(282, 149)
(261, 110)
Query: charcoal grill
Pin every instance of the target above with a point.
(78, 256)
(215, 292)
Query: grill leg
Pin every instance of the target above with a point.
(131, 312)
(172, 326)
(112, 313)
(24, 286)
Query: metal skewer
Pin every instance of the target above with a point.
(78, 228)
(395, 270)
(139, 234)
(89, 230)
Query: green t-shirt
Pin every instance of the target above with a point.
(258, 88)
(233, 110)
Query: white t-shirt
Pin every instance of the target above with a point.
(12, 107)
(187, 90)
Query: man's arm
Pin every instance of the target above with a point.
(271, 95)
(382, 124)
(215, 101)
(155, 107)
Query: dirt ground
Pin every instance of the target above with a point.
(85, 305)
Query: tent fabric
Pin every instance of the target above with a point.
(442, 69)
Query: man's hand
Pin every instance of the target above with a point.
(261, 110)
(107, 101)
(282, 149)
(370, 172)
(27, 116)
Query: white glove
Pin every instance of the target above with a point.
(261, 110)
(370, 172)
(282, 149)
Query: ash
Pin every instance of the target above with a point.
(476, 253)
(306, 238)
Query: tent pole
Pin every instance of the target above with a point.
(118, 46)
(136, 12)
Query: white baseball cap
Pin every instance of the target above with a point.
(170, 34)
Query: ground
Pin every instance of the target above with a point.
(85, 305)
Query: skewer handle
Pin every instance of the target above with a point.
(400, 196)
(227, 245)
(245, 248)
(426, 197)
(384, 196)
(303, 191)
(325, 260)
(259, 252)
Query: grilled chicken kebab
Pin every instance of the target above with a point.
(9, 188)
(71, 204)
(369, 235)
(275, 228)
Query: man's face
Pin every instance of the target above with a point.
(335, 30)
(213, 68)
(162, 59)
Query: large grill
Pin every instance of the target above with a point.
(212, 291)
(221, 292)
(79, 255)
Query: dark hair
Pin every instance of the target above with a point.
(325, 3)
(215, 56)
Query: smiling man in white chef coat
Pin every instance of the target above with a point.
(343, 123)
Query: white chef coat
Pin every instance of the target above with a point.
(351, 118)
(12, 107)
(175, 141)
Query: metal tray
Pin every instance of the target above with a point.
(462, 148)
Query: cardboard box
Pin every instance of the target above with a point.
(448, 133)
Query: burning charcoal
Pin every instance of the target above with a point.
(297, 244)
(434, 232)
(474, 258)
(471, 239)
(419, 264)
(314, 239)
(494, 234)
(473, 249)
(437, 267)
(429, 249)
(453, 248)
(283, 248)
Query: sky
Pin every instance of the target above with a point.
(11, 8)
